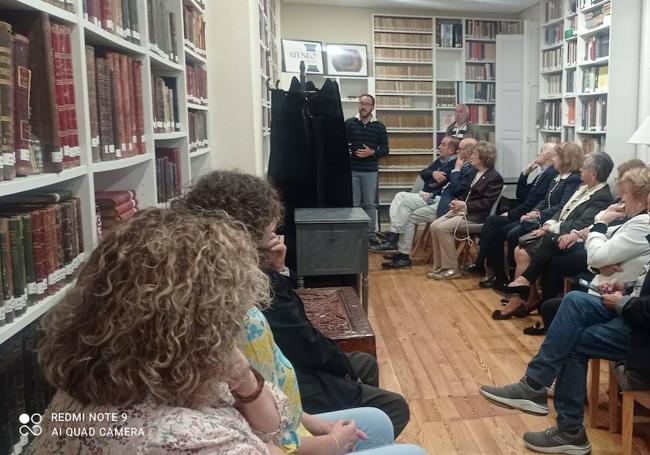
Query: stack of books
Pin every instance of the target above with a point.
(114, 207)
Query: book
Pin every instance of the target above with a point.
(194, 27)
(6, 273)
(28, 254)
(119, 209)
(91, 77)
(197, 129)
(105, 110)
(163, 39)
(7, 101)
(166, 117)
(16, 242)
(22, 92)
(113, 198)
(168, 173)
(197, 84)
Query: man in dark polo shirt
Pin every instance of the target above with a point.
(368, 141)
(462, 128)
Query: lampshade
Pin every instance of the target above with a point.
(642, 134)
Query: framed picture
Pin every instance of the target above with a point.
(311, 52)
(347, 60)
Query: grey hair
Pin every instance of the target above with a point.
(600, 163)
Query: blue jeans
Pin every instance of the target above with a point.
(364, 195)
(582, 329)
(376, 424)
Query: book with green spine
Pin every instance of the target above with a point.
(6, 274)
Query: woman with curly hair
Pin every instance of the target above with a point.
(327, 378)
(148, 336)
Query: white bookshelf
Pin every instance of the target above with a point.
(269, 46)
(137, 172)
(620, 60)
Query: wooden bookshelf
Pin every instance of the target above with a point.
(135, 172)
(597, 71)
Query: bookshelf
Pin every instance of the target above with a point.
(135, 172)
(456, 64)
(269, 42)
(596, 70)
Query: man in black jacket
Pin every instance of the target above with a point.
(612, 326)
(496, 227)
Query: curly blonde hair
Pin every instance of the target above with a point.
(637, 182)
(155, 312)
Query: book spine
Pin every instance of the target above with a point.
(23, 86)
(126, 119)
(30, 271)
(58, 225)
(105, 110)
(126, 20)
(17, 239)
(107, 15)
(67, 239)
(137, 76)
(7, 101)
(59, 89)
(91, 75)
(135, 22)
(38, 242)
(95, 14)
(133, 122)
(118, 103)
(71, 106)
(6, 272)
(51, 261)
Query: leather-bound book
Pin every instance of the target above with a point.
(91, 76)
(137, 77)
(70, 98)
(28, 253)
(107, 15)
(113, 65)
(105, 110)
(16, 240)
(80, 231)
(119, 209)
(6, 271)
(129, 148)
(7, 101)
(67, 239)
(113, 198)
(22, 92)
(58, 213)
(133, 111)
(38, 243)
(51, 250)
(135, 21)
(59, 88)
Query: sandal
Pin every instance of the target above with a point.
(535, 330)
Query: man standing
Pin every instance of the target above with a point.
(462, 128)
(368, 141)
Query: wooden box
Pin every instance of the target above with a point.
(337, 312)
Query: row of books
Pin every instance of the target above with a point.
(552, 115)
(116, 16)
(570, 80)
(113, 208)
(594, 114)
(194, 30)
(572, 53)
(595, 79)
(480, 51)
(445, 96)
(570, 30)
(552, 10)
(552, 58)
(403, 23)
(480, 91)
(490, 29)
(404, 87)
(601, 16)
(553, 34)
(165, 105)
(593, 144)
(168, 174)
(402, 39)
(24, 389)
(597, 47)
(408, 72)
(67, 5)
(407, 121)
(41, 248)
(397, 55)
(414, 142)
(163, 39)
(197, 84)
(115, 101)
(198, 129)
(554, 84)
(449, 34)
(481, 114)
(480, 71)
(394, 101)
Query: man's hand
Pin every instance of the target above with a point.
(277, 252)
(530, 216)
(425, 196)
(538, 232)
(459, 163)
(457, 206)
(365, 152)
(566, 241)
(439, 176)
(611, 300)
(530, 167)
(610, 287)
(610, 270)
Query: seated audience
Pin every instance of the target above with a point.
(496, 227)
(404, 204)
(554, 237)
(329, 379)
(611, 326)
(462, 128)
(613, 251)
(148, 332)
(472, 208)
(566, 160)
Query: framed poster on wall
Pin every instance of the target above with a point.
(311, 52)
(347, 60)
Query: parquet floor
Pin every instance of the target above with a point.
(437, 344)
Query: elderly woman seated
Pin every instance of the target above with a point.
(554, 237)
(472, 208)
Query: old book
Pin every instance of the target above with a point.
(80, 232)
(105, 110)
(137, 77)
(6, 272)
(38, 243)
(126, 20)
(51, 250)
(113, 198)
(91, 77)
(135, 22)
(16, 241)
(58, 214)
(116, 99)
(60, 94)
(22, 89)
(28, 252)
(160, 181)
(67, 239)
(107, 15)
(109, 222)
(127, 121)
(173, 181)
(7, 101)
(173, 37)
(133, 111)
(119, 209)
(70, 98)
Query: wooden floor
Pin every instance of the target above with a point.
(437, 344)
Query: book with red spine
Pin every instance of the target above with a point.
(40, 267)
(126, 105)
(112, 60)
(107, 15)
(91, 76)
(119, 209)
(137, 76)
(133, 123)
(22, 91)
(7, 101)
(113, 198)
(71, 106)
(59, 86)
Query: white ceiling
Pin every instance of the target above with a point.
(483, 6)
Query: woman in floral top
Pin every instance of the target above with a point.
(143, 353)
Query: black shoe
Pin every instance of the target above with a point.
(373, 240)
(402, 261)
(390, 256)
(475, 268)
(490, 283)
(554, 440)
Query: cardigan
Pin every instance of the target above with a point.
(581, 209)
